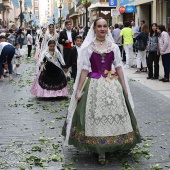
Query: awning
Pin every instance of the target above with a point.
(130, 9)
(73, 15)
(99, 4)
(125, 2)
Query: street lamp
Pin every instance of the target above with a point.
(60, 7)
(30, 14)
(86, 4)
(21, 14)
(54, 20)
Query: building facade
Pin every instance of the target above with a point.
(5, 7)
(152, 11)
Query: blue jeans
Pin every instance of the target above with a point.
(21, 42)
(6, 56)
(166, 65)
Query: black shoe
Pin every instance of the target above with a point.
(162, 79)
(165, 80)
(5, 75)
(154, 78)
(149, 77)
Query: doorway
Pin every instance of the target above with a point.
(146, 13)
(128, 17)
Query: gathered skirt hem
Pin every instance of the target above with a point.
(38, 91)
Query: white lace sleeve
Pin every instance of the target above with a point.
(117, 57)
(86, 65)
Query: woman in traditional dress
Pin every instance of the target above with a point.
(50, 34)
(40, 39)
(100, 116)
(51, 80)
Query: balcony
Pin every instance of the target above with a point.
(7, 4)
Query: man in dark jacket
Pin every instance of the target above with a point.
(72, 58)
(66, 38)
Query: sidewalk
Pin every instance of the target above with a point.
(156, 85)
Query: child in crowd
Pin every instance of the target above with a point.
(16, 59)
(73, 55)
(51, 80)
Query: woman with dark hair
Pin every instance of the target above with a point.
(20, 36)
(153, 56)
(51, 80)
(29, 42)
(164, 49)
(141, 56)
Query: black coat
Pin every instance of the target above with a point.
(72, 61)
(63, 37)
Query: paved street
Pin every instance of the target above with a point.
(30, 129)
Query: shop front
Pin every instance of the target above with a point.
(168, 13)
(104, 12)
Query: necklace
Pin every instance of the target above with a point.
(101, 41)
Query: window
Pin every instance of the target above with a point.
(36, 4)
(36, 12)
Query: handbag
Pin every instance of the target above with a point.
(139, 45)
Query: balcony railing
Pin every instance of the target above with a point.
(72, 11)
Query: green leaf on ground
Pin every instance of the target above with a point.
(21, 167)
(36, 148)
(156, 167)
(56, 158)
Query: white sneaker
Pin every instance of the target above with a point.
(18, 74)
(126, 66)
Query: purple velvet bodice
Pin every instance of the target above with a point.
(100, 63)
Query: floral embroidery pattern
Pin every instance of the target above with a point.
(110, 140)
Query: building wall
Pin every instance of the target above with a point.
(43, 12)
(152, 11)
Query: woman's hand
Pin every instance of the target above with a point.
(78, 95)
